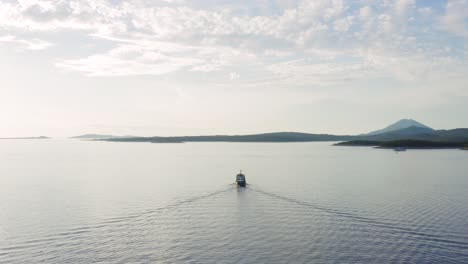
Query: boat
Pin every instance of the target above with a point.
(240, 179)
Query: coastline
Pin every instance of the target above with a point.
(405, 144)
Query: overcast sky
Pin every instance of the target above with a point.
(175, 67)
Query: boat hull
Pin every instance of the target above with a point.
(241, 183)
(240, 180)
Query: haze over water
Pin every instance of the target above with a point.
(70, 201)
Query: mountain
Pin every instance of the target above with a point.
(401, 124)
(412, 132)
(414, 137)
(420, 133)
(98, 136)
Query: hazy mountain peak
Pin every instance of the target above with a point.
(400, 124)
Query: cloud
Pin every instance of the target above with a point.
(455, 18)
(318, 42)
(36, 44)
(234, 76)
(343, 24)
(425, 11)
(408, 66)
(129, 60)
(7, 38)
(32, 44)
(402, 7)
(302, 72)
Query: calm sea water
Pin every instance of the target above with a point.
(66, 201)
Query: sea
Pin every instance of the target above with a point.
(75, 201)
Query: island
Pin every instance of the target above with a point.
(407, 144)
(40, 137)
(405, 133)
(98, 136)
(167, 140)
(266, 137)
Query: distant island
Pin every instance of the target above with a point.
(406, 133)
(266, 137)
(407, 144)
(167, 140)
(40, 137)
(411, 134)
(98, 136)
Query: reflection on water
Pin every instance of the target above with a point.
(302, 217)
(242, 225)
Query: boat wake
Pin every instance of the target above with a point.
(121, 220)
(387, 225)
(190, 228)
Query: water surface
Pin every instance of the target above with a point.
(69, 201)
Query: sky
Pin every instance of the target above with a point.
(175, 67)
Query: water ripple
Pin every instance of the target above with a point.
(370, 221)
(244, 225)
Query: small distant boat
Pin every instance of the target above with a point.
(399, 149)
(240, 179)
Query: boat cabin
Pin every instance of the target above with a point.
(240, 179)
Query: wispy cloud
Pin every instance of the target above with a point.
(129, 60)
(311, 42)
(31, 44)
